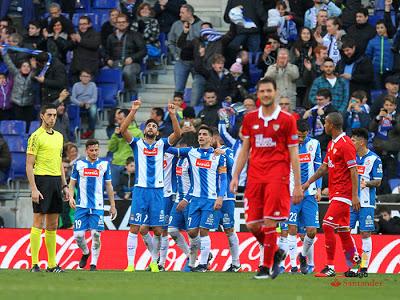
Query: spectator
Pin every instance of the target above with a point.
(209, 114)
(392, 84)
(218, 79)
(5, 159)
(126, 180)
(23, 94)
(62, 122)
(190, 124)
(130, 8)
(241, 82)
(71, 154)
(386, 224)
(167, 123)
(167, 13)
(17, 57)
(86, 44)
(126, 49)
(355, 68)
(120, 149)
(379, 50)
(20, 13)
(34, 38)
(247, 37)
(109, 26)
(302, 50)
(268, 57)
(276, 18)
(84, 94)
(56, 13)
(6, 85)
(361, 32)
(285, 105)
(320, 29)
(112, 121)
(317, 114)
(333, 39)
(250, 104)
(53, 81)
(147, 25)
(310, 17)
(355, 116)
(58, 40)
(285, 74)
(336, 85)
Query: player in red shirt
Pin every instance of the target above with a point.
(341, 166)
(270, 140)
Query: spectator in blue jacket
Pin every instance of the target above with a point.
(355, 116)
(379, 49)
(310, 17)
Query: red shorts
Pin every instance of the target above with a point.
(338, 214)
(266, 201)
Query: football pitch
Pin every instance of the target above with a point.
(19, 284)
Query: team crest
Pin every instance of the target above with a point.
(275, 127)
(256, 126)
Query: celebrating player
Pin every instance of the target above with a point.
(209, 187)
(369, 167)
(46, 178)
(270, 139)
(147, 208)
(341, 165)
(90, 174)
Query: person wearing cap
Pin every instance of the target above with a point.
(241, 82)
(392, 89)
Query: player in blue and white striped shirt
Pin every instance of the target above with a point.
(90, 175)
(209, 187)
(369, 167)
(147, 209)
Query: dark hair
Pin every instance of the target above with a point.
(210, 90)
(384, 208)
(124, 111)
(360, 132)
(7, 19)
(299, 44)
(53, 22)
(91, 142)
(207, 23)
(390, 99)
(112, 10)
(348, 43)
(328, 59)
(86, 71)
(218, 58)
(121, 15)
(302, 125)
(205, 127)
(362, 10)
(159, 112)
(143, 5)
(151, 121)
(178, 95)
(129, 160)
(359, 94)
(336, 21)
(188, 7)
(336, 119)
(87, 18)
(266, 80)
(381, 21)
(326, 93)
(46, 107)
(37, 24)
(281, 3)
(188, 112)
(42, 57)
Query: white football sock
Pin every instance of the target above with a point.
(205, 247)
(156, 247)
(194, 248)
(148, 241)
(96, 246)
(284, 245)
(292, 241)
(163, 250)
(310, 256)
(131, 245)
(367, 251)
(179, 240)
(234, 248)
(307, 244)
(81, 241)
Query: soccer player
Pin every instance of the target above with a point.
(90, 174)
(270, 140)
(209, 187)
(46, 178)
(341, 165)
(226, 215)
(369, 167)
(147, 209)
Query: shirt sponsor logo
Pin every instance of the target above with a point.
(150, 152)
(305, 158)
(361, 170)
(165, 164)
(264, 142)
(179, 171)
(88, 172)
(203, 163)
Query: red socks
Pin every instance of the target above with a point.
(270, 245)
(349, 247)
(330, 243)
(259, 235)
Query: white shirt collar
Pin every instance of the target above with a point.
(274, 115)
(338, 137)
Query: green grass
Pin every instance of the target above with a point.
(18, 284)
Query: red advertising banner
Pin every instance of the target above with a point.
(15, 252)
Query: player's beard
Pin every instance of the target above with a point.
(268, 104)
(149, 135)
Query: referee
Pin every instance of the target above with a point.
(47, 181)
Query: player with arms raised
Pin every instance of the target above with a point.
(270, 139)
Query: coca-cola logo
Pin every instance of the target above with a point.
(90, 172)
(203, 163)
(360, 169)
(150, 152)
(305, 158)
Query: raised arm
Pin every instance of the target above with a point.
(128, 120)
(176, 135)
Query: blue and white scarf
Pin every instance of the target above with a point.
(210, 34)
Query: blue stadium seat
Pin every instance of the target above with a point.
(110, 76)
(255, 73)
(18, 165)
(375, 94)
(16, 143)
(187, 95)
(94, 17)
(105, 4)
(164, 47)
(84, 6)
(34, 125)
(198, 109)
(102, 18)
(394, 183)
(13, 127)
(109, 81)
(74, 122)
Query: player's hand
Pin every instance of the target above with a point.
(219, 151)
(318, 195)
(363, 183)
(113, 213)
(234, 184)
(136, 104)
(36, 196)
(305, 186)
(72, 203)
(67, 194)
(297, 194)
(171, 109)
(182, 205)
(40, 79)
(218, 203)
(356, 203)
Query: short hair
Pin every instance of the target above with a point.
(336, 119)
(326, 93)
(348, 43)
(91, 142)
(361, 133)
(362, 10)
(178, 95)
(42, 57)
(359, 94)
(151, 121)
(47, 106)
(129, 160)
(322, 10)
(124, 111)
(86, 71)
(283, 50)
(266, 80)
(319, 48)
(189, 8)
(207, 23)
(390, 99)
(54, 5)
(37, 24)
(205, 127)
(87, 18)
(218, 58)
(121, 15)
(159, 112)
(302, 125)
(113, 10)
(210, 90)
(381, 22)
(328, 59)
(189, 112)
(335, 21)
(16, 37)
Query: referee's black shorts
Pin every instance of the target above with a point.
(50, 188)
